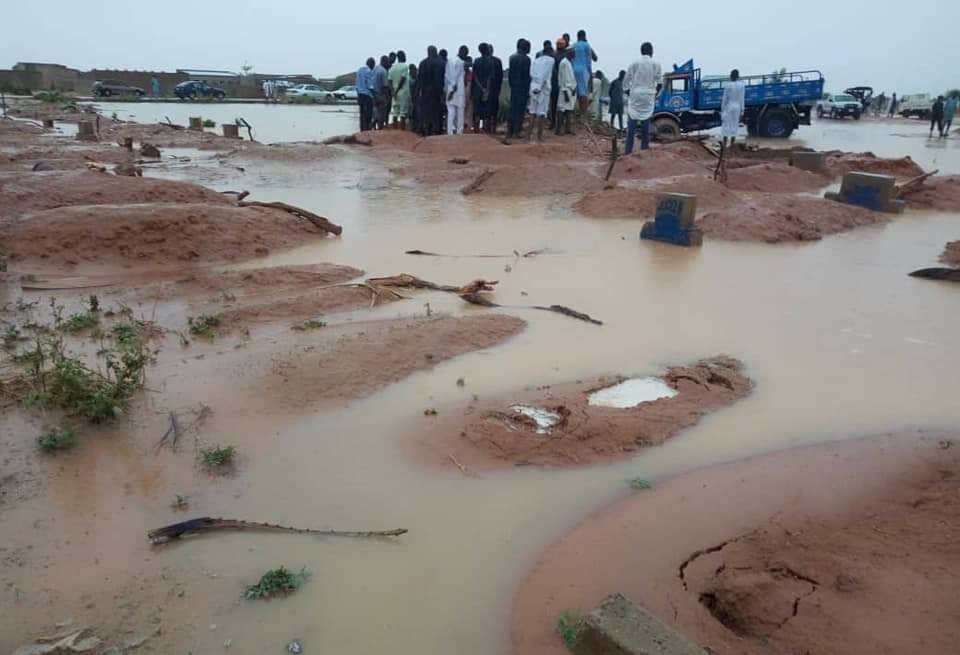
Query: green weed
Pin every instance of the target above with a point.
(639, 484)
(217, 457)
(309, 324)
(80, 322)
(209, 123)
(204, 325)
(57, 439)
(11, 337)
(179, 503)
(277, 582)
(569, 626)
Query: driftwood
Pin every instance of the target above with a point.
(239, 194)
(938, 273)
(319, 221)
(483, 301)
(481, 179)
(914, 184)
(405, 280)
(614, 156)
(347, 139)
(172, 430)
(172, 125)
(206, 524)
(244, 123)
(516, 254)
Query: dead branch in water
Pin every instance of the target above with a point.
(244, 123)
(404, 280)
(206, 524)
(172, 429)
(914, 184)
(476, 185)
(239, 194)
(319, 221)
(463, 469)
(938, 273)
(347, 139)
(483, 301)
(172, 125)
(516, 254)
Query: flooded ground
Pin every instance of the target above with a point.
(839, 341)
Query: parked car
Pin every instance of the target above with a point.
(839, 105)
(346, 93)
(194, 89)
(918, 104)
(107, 88)
(308, 91)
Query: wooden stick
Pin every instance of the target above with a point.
(243, 121)
(614, 156)
(914, 184)
(206, 524)
(463, 469)
(475, 186)
(319, 221)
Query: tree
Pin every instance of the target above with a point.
(952, 93)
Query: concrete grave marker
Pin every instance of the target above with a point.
(876, 192)
(196, 123)
(85, 131)
(808, 161)
(674, 221)
(231, 130)
(619, 627)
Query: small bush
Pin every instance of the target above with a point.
(209, 123)
(57, 439)
(204, 325)
(309, 324)
(79, 322)
(217, 456)
(639, 484)
(11, 337)
(276, 583)
(53, 97)
(569, 627)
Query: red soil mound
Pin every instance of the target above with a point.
(493, 435)
(774, 178)
(774, 218)
(539, 179)
(848, 549)
(620, 202)
(867, 162)
(941, 192)
(151, 233)
(20, 192)
(951, 254)
(654, 163)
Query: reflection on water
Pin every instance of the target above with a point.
(839, 340)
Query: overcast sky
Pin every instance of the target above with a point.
(891, 45)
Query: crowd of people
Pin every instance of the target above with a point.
(555, 88)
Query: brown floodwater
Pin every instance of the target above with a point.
(839, 340)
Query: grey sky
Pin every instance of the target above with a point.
(888, 44)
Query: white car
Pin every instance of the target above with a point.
(346, 93)
(840, 105)
(309, 91)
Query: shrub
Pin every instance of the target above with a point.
(277, 582)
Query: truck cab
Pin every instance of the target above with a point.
(776, 104)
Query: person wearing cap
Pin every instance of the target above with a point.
(567, 97)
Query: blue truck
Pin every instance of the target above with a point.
(776, 104)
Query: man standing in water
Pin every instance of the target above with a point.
(936, 116)
(949, 111)
(430, 83)
(365, 94)
(643, 82)
(731, 109)
(583, 59)
(400, 91)
(519, 77)
(453, 89)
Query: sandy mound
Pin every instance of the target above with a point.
(775, 218)
(282, 153)
(536, 180)
(654, 163)
(314, 303)
(586, 434)
(384, 352)
(951, 254)
(848, 549)
(941, 192)
(168, 137)
(621, 202)
(774, 178)
(867, 162)
(21, 192)
(685, 149)
(152, 233)
(64, 157)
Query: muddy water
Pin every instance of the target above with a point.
(840, 341)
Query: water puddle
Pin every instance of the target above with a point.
(631, 393)
(544, 418)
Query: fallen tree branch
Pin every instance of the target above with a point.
(347, 139)
(938, 273)
(244, 123)
(239, 194)
(463, 469)
(319, 221)
(172, 125)
(405, 280)
(206, 524)
(914, 184)
(483, 301)
(475, 186)
(529, 253)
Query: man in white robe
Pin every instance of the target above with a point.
(541, 73)
(453, 83)
(643, 82)
(731, 109)
(567, 98)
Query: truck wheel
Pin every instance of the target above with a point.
(776, 125)
(856, 115)
(665, 129)
(106, 93)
